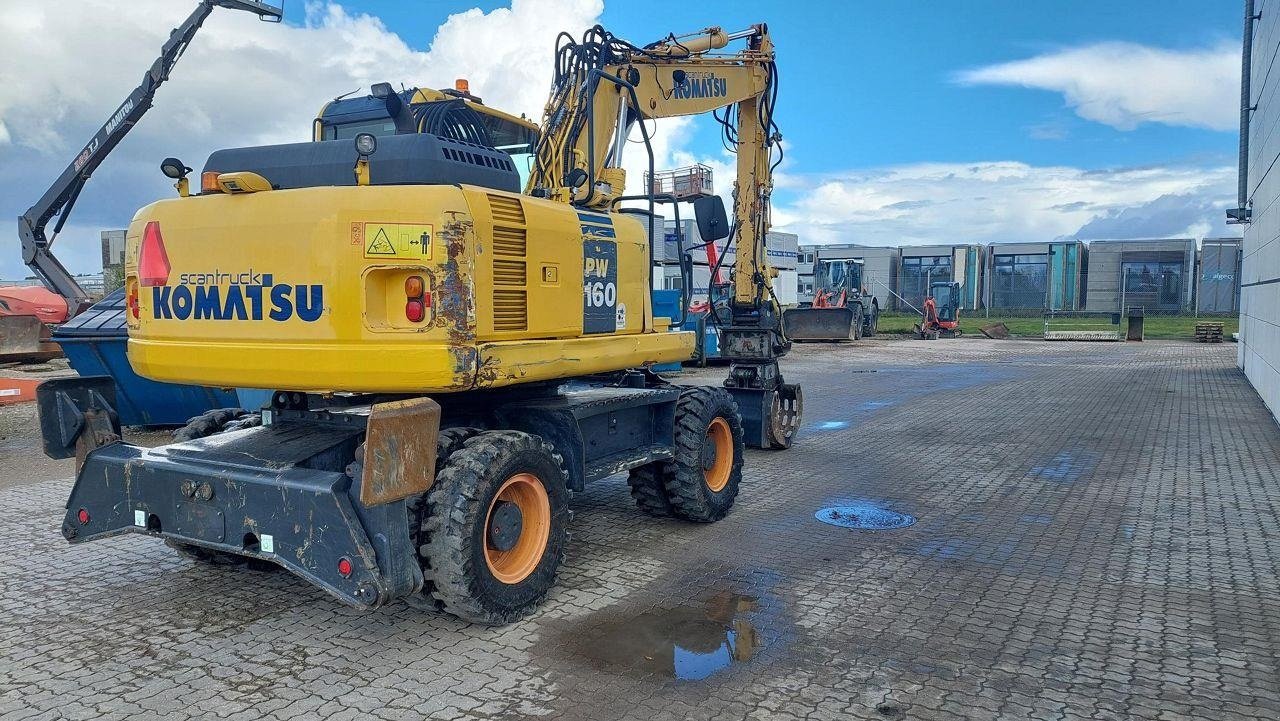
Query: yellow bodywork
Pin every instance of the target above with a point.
(305, 290)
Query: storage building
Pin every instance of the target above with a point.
(924, 264)
(1036, 275)
(1156, 275)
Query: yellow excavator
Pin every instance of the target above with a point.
(450, 351)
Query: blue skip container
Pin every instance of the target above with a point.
(95, 342)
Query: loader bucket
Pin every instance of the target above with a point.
(24, 338)
(830, 324)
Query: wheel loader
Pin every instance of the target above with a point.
(842, 308)
(450, 354)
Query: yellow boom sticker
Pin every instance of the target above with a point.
(398, 241)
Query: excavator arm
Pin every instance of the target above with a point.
(602, 87)
(612, 85)
(58, 200)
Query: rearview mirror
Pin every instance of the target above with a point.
(713, 223)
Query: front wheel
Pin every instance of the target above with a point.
(496, 523)
(702, 478)
(857, 322)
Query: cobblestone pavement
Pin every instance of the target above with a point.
(1096, 538)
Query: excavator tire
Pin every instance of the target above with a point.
(857, 321)
(494, 527)
(702, 479)
(218, 420)
(649, 490)
(210, 557)
(872, 325)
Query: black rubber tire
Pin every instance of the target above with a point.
(873, 324)
(453, 520)
(649, 489)
(216, 421)
(857, 321)
(208, 556)
(690, 496)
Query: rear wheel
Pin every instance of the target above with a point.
(702, 479)
(494, 527)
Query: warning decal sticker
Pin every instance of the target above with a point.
(396, 241)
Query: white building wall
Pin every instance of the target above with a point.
(1259, 350)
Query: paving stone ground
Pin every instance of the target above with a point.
(1097, 538)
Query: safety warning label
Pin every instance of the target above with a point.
(393, 241)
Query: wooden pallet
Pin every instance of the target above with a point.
(1208, 332)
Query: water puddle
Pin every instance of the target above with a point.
(1067, 467)
(688, 643)
(866, 516)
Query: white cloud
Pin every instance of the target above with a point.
(1126, 84)
(242, 82)
(928, 203)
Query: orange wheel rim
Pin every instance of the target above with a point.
(719, 439)
(527, 493)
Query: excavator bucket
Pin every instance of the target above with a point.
(24, 338)
(830, 324)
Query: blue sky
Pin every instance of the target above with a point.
(904, 123)
(873, 83)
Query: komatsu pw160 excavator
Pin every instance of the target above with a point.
(450, 356)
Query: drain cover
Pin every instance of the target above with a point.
(865, 516)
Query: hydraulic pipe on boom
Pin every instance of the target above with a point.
(61, 196)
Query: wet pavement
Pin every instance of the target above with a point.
(1094, 538)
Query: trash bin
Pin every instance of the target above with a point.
(95, 342)
(1136, 319)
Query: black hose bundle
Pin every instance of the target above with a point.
(452, 119)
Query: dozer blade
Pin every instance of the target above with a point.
(24, 338)
(830, 324)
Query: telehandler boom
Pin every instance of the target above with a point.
(450, 357)
(58, 199)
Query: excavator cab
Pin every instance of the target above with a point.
(946, 297)
(941, 312)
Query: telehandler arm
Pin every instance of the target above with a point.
(62, 195)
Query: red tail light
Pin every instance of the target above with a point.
(415, 311)
(131, 300)
(344, 567)
(153, 260)
(83, 517)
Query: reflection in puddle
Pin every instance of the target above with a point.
(689, 643)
